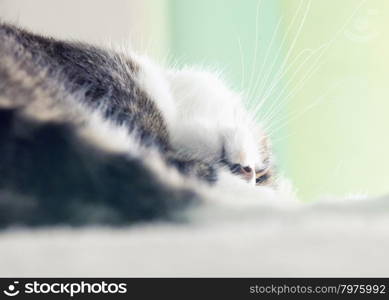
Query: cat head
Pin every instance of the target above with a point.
(212, 124)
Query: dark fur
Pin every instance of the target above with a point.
(103, 75)
(48, 174)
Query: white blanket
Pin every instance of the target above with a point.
(347, 238)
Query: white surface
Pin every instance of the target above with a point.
(344, 239)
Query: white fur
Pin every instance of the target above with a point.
(203, 115)
(154, 82)
(210, 115)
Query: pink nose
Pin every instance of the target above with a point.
(247, 172)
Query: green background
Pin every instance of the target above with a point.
(330, 123)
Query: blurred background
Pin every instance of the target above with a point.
(315, 72)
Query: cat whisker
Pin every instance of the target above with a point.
(276, 103)
(266, 97)
(242, 64)
(298, 114)
(256, 43)
(278, 52)
(324, 47)
(291, 48)
(252, 89)
(293, 91)
(283, 71)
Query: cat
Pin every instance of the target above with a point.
(95, 136)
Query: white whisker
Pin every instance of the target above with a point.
(264, 99)
(291, 48)
(297, 88)
(242, 64)
(298, 114)
(270, 71)
(275, 104)
(256, 41)
(252, 89)
(272, 110)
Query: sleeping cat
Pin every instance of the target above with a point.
(90, 135)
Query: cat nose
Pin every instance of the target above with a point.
(248, 173)
(245, 171)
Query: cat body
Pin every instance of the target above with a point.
(90, 135)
